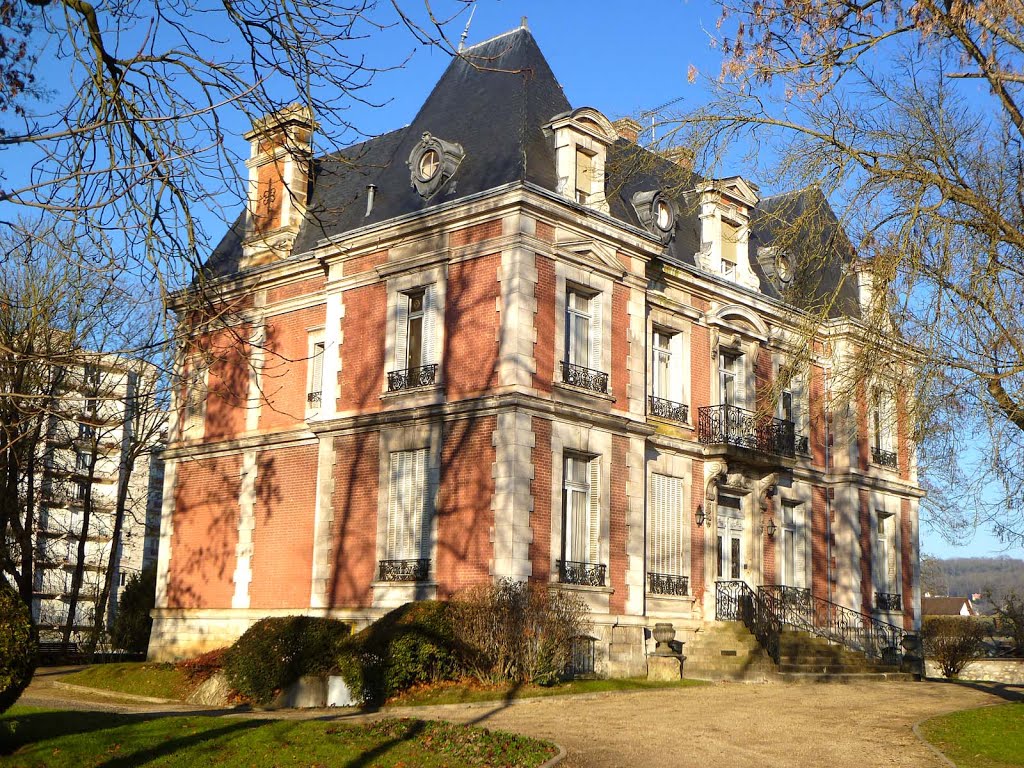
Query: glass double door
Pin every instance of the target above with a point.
(729, 555)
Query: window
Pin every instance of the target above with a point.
(316, 374)
(729, 550)
(122, 577)
(730, 379)
(581, 529)
(669, 537)
(81, 490)
(415, 330)
(794, 545)
(730, 238)
(886, 581)
(86, 432)
(83, 460)
(429, 164)
(881, 422)
(662, 215)
(408, 530)
(584, 175)
(583, 329)
(194, 405)
(663, 366)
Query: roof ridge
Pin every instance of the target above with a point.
(492, 39)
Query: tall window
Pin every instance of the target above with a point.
(415, 329)
(663, 366)
(408, 535)
(794, 546)
(316, 374)
(669, 530)
(885, 554)
(583, 329)
(730, 378)
(729, 551)
(584, 175)
(581, 530)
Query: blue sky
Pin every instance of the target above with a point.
(622, 58)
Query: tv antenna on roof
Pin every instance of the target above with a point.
(465, 32)
(656, 112)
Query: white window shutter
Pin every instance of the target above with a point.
(401, 332)
(799, 548)
(891, 567)
(740, 368)
(594, 526)
(595, 334)
(316, 378)
(799, 391)
(429, 324)
(394, 517)
(675, 376)
(658, 524)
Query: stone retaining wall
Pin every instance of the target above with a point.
(994, 670)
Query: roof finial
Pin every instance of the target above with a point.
(465, 32)
(522, 23)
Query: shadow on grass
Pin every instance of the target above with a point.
(1005, 691)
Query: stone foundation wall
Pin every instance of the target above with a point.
(1009, 671)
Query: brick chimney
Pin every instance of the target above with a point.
(281, 150)
(627, 128)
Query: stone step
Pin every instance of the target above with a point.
(858, 677)
(835, 669)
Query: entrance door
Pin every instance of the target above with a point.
(729, 560)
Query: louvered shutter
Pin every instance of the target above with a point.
(740, 370)
(402, 332)
(658, 554)
(668, 546)
(799, 547)
(594, 527)
(394, 504)
(799, 392)
(429, 324)
(419, 543)
(595, 334)
(890, 566)
(316, 378)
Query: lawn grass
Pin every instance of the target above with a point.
(465, 692)
(35, 737)
(161, 681)
(990, 737)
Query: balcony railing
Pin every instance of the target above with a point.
(666, 409)
(888, 601)
(884, 458)
(404, 570)
(585, 378)
(587, 574)
(668, 584)
(731, 425)
(803, 445)
(314, 398)
(411, 378)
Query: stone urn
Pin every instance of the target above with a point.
(664, 633)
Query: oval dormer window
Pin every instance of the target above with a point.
(662, 215)
(429, 165)
(784, 268)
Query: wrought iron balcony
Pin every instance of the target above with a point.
(884, 458)
(314, 397)
(575, 572)
(410, 378)
(585, 378)
(404, 570)
(803, 445)
(666, 409)
(667, 584)
(888, 601)
(731, 425)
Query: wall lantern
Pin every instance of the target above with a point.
(771, 529)
(699, 515)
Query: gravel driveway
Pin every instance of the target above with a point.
(733, 725)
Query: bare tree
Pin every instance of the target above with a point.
(907, 115)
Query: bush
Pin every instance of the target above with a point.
(132, 623)
(1010, 612)
(412, 644)
(275, 652)
(17, 646)
(198, 670)
(519, 631)
(952, 642)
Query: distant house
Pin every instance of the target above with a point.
(947, 606)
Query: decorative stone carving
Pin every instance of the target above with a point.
(716, 472)
(768, 485)
(432, 162)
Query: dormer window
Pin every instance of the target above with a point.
(429, 165)
(730, 238)
(662, 215)
(656, 212)
(582, 138)
(433, 162)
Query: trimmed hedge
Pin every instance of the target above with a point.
(17, 646)
(952, 641)
(274, 653)
(412, 644)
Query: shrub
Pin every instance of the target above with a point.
(132, 623)
(17, 646)
(412, 644)
(274, 653)
(519, 631)
(1010, 612)
(198, 670)
(952, 642)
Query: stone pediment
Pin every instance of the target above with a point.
(592, 254)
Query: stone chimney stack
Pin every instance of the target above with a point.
(281, 151)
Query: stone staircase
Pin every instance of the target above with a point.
(726, 650)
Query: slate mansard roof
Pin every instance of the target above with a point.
(494, 100)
